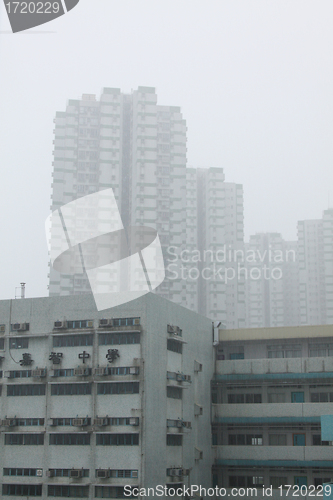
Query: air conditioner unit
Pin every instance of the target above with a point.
(51, 421)
(137, 321)
(134, 421)
(175, 472)
(101, 371)
(90, 324)
(134, 370)
(134, 473)
(76, 473)
(198, 410)
(79, 422)
(39, 472)
(197, 366)
(103, 473)
(2, 328)
(187, 425)
(50, 473)
(8, 374)
(101, 421)
(60, 325)
(80, 372)
(20, 327)
(198, 454)
(105, 322)
(187, 378)
(9, 422)
(38, 372)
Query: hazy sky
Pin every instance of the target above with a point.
(254, 79)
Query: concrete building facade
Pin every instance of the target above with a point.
(94, 401)
(271, 388)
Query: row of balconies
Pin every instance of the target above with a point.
(297, 453)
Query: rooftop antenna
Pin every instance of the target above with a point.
(22, 294)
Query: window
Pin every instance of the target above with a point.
(29, 421)
(2, 344)
(297, 397)
(18, 343)
(70, 389)
(320, 350)
(245, 481)
(175, 346)
(300, 480)
(174, 440)
(18, 374)
(237, 352)
(118, 388)
(299, 439)
(26, 390)
(24, 439)
(284, 351)
(66, 472)
(111, 492)
(68, 491)
(174, 392)
(63, 372)
(277, 439)
(117, 439)
(276, 398)
(19, 472)
(20, 490)
(278, 481)
(69, 439)
(317, 481)
(244, 398)
(321, 397)
(72, 340)
(316, 441)
(245, 439)
(119, 338)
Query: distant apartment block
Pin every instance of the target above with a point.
(271, 267)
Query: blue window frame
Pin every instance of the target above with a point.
(73, 340)
(21, 490)
(297, 397)
(70, 389)
(299, 439)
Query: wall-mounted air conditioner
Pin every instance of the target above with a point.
(79, 422)
(175, 330)
(134, 421)
(101, 371)
(81, 372)
(105, 322)
(102, 473)
(134, 370)
(38, 373)
(101, 421)
(76, 473)
(198, 409)
(60, 325)
(90, 324)
(9, 422)
(39, 472)
(19, 327)
(50, 473)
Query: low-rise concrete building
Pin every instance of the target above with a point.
(94, 401)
